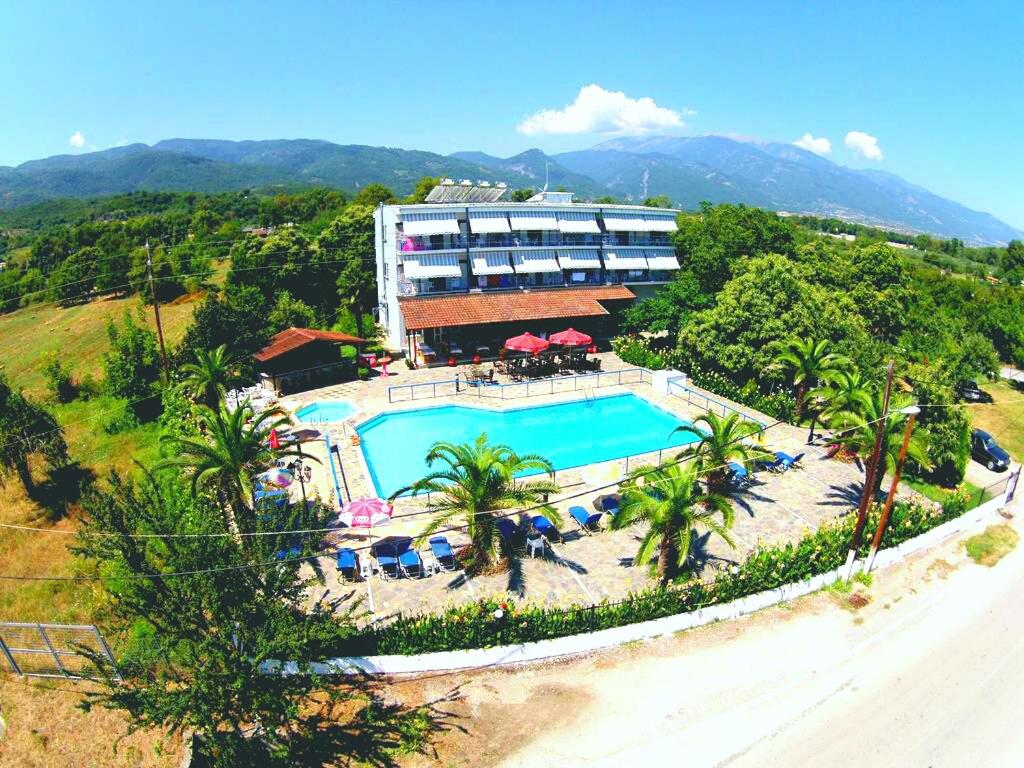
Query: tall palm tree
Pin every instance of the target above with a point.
(229, 455)
(843, 391)
(810, 361)
(722, 440)
(675, 507)
(857, 434)
(476, 485)
(207, 380)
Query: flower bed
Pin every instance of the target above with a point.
(503, 621)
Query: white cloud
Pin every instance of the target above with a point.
(596, 110)
(819, 146)
(864, 144)
(77, 140)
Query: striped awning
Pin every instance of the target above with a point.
(488, 222)
(532, 219)
(535, 261)
(491, 263)
(431, 223)
(663, 223)
(662, 259)
(582, 258)
(624, 222)
(423, 266)
(625, 258)
(578, 222)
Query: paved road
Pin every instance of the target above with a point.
(930, 674)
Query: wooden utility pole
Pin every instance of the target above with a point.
(869, 475)
(156, 313)
(884, 519)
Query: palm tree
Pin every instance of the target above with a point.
(857, 434)
(230, 454)
(723, 440)
(208, 379)
(810, 362)
(843, 391)
(475, 486)
(670, 500)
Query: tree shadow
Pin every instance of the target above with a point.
(63, 487)
(740, 497)
(847, 495)
(367, 730)
(701, 558)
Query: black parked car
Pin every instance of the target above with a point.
(985, 450)
(970, 391)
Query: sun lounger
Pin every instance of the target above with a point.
(772, 465)
(348, 564)
(506, 527)
(546, 527)
(443, 553)
(587, 520)
(610, 505)
(288, 553)
(786, 461)
(410, 563)
(387, 561)
(739, 474)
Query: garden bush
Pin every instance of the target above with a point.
(500, 620)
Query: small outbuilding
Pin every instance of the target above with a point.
(297, 359)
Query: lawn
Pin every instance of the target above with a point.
(79, 335)
(1003, 418)
(991, 546)
(976, 496)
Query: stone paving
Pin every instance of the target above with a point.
(580, 568)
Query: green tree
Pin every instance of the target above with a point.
(477, 484)
(720, 440)
(132, 365)
(809, 361)
(669, 309)
(675, 508)
(423, 188)
(27, 429)
(234, 450)
(349, 240)
(76, 276)
(856, 432)
(659, 201)
(191, 649)
(522, 195)
(1012, 263)
(289, 312)
(374, 194)
(237, 320)
(208, 380)
(842, 391)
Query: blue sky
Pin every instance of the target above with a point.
(938, 86)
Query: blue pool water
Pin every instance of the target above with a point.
(567, 434)
(329, 410)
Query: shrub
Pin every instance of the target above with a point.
(636, 350)
(500, 620)
(58, 380)
(120, 417)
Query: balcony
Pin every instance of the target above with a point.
(552, 239)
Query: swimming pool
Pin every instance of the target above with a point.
(327, 411)
(567, 434)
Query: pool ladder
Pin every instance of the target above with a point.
(589, 397)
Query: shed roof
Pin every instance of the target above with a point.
(293, 338)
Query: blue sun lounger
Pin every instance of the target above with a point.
(610, 505)
(739, 473)
(587, 520)
(785, 461)
(545, 527)
(506, 527)
(443, 553)
(348, 564)
(387, 561)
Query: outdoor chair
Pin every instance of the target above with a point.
(739, 474)
(387, 562)
(443, 553)
(610, 505)
(535, 544)
(769, 464)
(786, 461)
(546, 528)
(409, 561)
(587, 521)
(348, 564)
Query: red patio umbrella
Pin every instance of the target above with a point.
(527, 342)
(571, 338)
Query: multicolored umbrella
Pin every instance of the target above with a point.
(366, 512)
(571, 338)
(527, 342)
(277, 477)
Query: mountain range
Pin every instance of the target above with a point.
(688, 170)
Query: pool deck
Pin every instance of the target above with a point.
(581, 568)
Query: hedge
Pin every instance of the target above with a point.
(476, 625)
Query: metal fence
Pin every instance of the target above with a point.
(72, 651)
(520, 389)
(706, 403)
(1006, 484)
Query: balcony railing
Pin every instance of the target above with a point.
(545, 240)
(566, 279)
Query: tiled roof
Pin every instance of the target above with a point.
(293, 338)
(511, 306)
